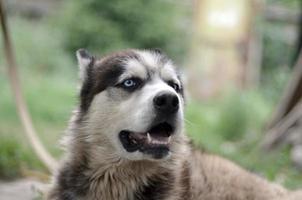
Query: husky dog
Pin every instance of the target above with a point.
(126, 140)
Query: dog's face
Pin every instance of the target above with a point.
(133, 100)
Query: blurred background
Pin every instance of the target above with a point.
(239, 58)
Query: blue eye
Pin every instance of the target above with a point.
(129, 83)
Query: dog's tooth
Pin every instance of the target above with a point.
(149, 140)
(169, 139)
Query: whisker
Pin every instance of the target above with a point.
(189, 122)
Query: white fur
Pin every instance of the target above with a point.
(134, 68)
(168, 73)
(149, 58)
(83, 63)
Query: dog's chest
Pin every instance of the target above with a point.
(113, 187)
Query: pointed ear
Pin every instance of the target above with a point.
(84, 60)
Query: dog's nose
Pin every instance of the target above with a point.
(166, 103)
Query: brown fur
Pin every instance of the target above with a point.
(194, 175)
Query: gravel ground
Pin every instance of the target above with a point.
(24, 189)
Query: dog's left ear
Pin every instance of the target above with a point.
(85, 59)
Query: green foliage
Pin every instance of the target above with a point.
(279, 49)
(277, 52)
(233, 120)
(104, 26)
(230, 118)
(275, 82)
(38, 48)
(10, 155)
(14, 156)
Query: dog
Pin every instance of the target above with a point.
(126, 139)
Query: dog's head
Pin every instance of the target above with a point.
(134, 101)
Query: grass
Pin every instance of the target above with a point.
(231, 126)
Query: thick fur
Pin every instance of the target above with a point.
(97, 167)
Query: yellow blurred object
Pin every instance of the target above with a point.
(223, 20)
(221, 45)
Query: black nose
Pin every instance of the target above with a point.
(166, 103)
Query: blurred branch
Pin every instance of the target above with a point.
(278, 134)
(22, 109)
(299, 44)
(292, 95)
(289, 109)
(282, 14)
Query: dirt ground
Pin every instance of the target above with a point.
(25, 189)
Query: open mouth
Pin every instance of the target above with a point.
(155, 141)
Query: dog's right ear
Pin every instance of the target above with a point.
(85, 59)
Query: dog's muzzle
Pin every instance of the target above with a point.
(155, 141)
